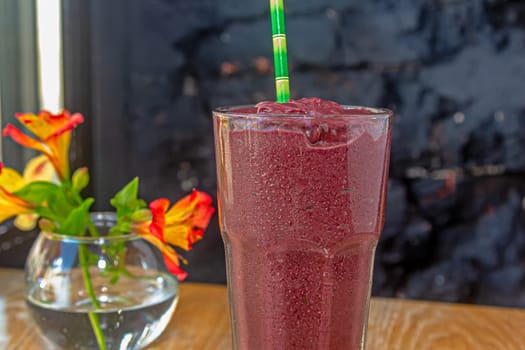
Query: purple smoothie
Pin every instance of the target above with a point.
(301, 206)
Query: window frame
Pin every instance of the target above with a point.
(95, 46)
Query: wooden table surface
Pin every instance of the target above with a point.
(201, 323)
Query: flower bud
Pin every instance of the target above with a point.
(80, 179)
(46, 225)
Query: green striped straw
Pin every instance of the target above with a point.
(280, 52)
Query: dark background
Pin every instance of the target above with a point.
(148, 73)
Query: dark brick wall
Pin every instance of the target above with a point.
(453, 71)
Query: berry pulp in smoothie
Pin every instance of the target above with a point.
(301, 201)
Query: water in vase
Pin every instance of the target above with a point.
(133, 312)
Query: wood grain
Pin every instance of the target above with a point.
(201, 323)
(411, 325)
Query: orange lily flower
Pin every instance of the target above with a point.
(37, 169)
(181, 225)
(53, 136)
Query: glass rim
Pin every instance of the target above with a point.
(373, 113)
(105, 216)
(89, 239)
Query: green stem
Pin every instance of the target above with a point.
(93, 317)
(93, 231)
(95, 324)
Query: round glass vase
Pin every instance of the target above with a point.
(135, 294)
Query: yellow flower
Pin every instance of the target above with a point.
(37, 169)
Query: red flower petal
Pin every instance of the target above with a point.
(29, 142)
(21, 138)
(158, 221)
(14, 200)
(73, 121)
(171, 258)
(175, 268)
(202, 215)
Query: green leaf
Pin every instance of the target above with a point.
(80, 179)
(52, 200)
(38, 191)
(77, 220)
(60, 205)
(45, 212)
(114, 279)
(122, 227)
(127, 194)
(126, 201)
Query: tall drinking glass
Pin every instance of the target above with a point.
(301, 205)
